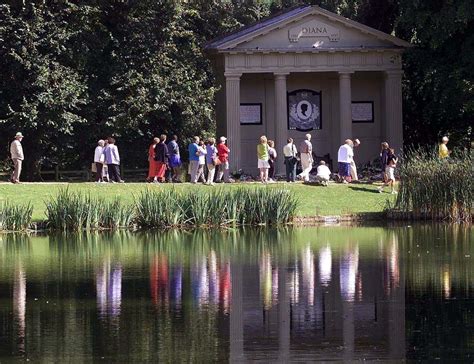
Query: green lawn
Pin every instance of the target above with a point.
(314, 200)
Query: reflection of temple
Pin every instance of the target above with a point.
(330, 305)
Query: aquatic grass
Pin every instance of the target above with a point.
(75, 211)
(434, 188)
(159, 208)
(15, 217)
(115, 215)
(216, 207)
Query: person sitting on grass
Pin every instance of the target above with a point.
(390, 171)
(323, 173)
(263, 157)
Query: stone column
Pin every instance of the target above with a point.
(345, 107)
(281, 119)
(393, 109)
(232, 94)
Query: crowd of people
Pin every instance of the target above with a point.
(208, 157)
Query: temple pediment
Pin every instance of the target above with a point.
(306, 28)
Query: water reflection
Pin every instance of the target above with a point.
(313, 294)
(109, 289)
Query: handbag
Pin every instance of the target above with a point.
(216, 161)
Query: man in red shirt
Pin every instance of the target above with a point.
(223, 154)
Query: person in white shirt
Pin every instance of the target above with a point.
(345, 156)
(324, 174)
(99, 159)
(354, 176)
(202, 152)
(16, 151)
(290, 153)
(112, 158)
(306, 152)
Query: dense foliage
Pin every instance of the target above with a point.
(72, 72)
(434, 188)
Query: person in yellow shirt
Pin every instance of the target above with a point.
(443, 149)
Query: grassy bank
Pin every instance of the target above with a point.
(313, 200)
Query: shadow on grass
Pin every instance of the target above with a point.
(363, 189)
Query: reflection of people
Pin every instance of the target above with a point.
(443, 148)
(16, 151)
(306, 152)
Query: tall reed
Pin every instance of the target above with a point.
(74, 211)
(242, 206)
(15, 217)
(434, 188)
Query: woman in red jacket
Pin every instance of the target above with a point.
(223, 154)
(152, 170)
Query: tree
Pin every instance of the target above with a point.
(41, 90)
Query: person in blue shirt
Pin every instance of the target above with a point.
(174, 159)
(193, 150)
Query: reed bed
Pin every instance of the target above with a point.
(434, 188)
(15, 217)
(75, 211)
(219, 207)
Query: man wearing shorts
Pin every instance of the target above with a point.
(345, 157)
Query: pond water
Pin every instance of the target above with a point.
(300, 294)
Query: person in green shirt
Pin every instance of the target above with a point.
(263, 157)
(443, 148)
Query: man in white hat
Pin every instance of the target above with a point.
(16, 151)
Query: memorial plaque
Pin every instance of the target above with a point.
(304, 110)
(250, 114)
(362, 111)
